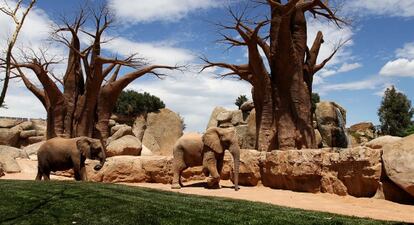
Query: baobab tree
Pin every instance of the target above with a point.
(81, 103)
(18, 20)
(282, 74)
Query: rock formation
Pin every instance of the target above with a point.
(331, 121)
(19, 133)
(8, 157)
(398, 158)
(362, 133)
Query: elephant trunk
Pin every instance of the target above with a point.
(103, 156)
(235, 151)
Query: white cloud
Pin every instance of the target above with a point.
(399, 68)
(346, 67)
(158, 10)
(394, 8)
(406, 52)
(158, 53)
(368, 84)
(194, 95)
(403, 65)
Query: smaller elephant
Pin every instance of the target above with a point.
(208, 151)
(59, 154)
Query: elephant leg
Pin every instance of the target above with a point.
(220, 163)
(210, 162)
(83, 174)
(39, 175)
(46, 175)
(178, 167)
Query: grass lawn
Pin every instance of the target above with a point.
(29, 202)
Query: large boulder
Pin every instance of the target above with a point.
(152, 144)
(31, 150)
(133, 169)
(331, 121)
(379, 143)
(126, 145)
(356, 172)
(8, 156)
(398, 158)
(9, 123)
(165, 127)
(247, 140)
(362, 132)
(140, 124)
(9, 137)
(247, 106)
(121, 132)
(213, 118)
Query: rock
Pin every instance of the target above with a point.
(28, 133)
(318, 138)
(247, 106)
(356, 172)
(362, 132)
(36, 139)
(379, 143)
(224, 116)
(126, 145)
(237, 118)
(246, 139)
(398, 158)
(32, 149)
(213, 118)
(9, 123)
(146, 151)
(123, 131)
(133, 169)
(251, 124)
(111, 123)
(8, 157)
(115, 128)
(9, 137)
(149, 141)
(140, 124)
(26, 125)
(331, 120)
(166, 127)
(388, 190)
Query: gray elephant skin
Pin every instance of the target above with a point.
(59, 154)
(208, 151)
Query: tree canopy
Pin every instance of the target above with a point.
(395, 113)
(133, 103)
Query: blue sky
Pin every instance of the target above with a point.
(380, 53)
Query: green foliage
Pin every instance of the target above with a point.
(395, 113)
(409, 131)
(315, 99)
(30, 202)
(240, 100)
(132, 103)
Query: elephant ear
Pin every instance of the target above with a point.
(84, 147)
(212, 140)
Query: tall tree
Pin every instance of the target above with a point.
(18, 20)
(395, 113)
(282, 78)
(81, 103)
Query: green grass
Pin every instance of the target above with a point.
(29, 202)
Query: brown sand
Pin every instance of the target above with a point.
(347, 205)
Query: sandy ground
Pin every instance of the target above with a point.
(351, 206)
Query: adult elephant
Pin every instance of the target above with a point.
(59, 154)
(208, 151)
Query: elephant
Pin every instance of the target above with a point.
(208, 151)
(59, 154)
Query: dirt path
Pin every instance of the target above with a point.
(351, 206)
